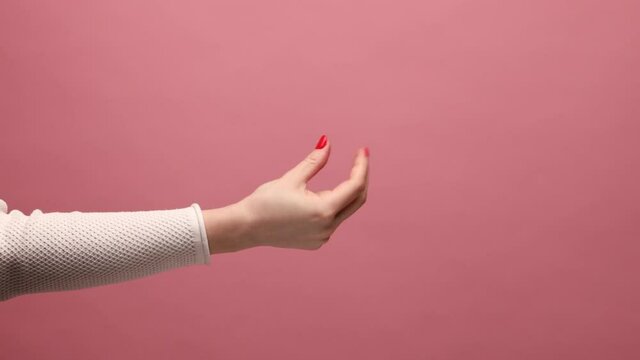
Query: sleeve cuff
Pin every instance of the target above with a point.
(203, 255)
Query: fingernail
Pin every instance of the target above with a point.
(321, 142)
(366, 151)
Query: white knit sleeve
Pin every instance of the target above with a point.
(59, 251)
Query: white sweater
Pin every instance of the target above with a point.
(57, 251)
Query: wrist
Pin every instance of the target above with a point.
(227, 229)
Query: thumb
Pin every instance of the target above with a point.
(312, 163)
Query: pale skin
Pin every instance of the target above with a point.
(284, 213)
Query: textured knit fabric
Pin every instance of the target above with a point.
(57, 251)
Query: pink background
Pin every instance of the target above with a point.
(503, 214)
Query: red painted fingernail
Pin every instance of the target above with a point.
(321, 142)
(366, 151)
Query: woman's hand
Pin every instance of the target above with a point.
(284, 213)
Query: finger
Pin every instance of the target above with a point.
(349, 210)
(312, 163)
(356, 204)
(347, 191)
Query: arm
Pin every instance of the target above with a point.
(65, 251)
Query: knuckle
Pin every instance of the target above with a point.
(328, 215)
(327, 233)
(325, 213)
(313, 160)
(327, 228)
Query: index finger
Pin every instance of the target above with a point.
(348, 190)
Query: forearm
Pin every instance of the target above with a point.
(64, 251)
